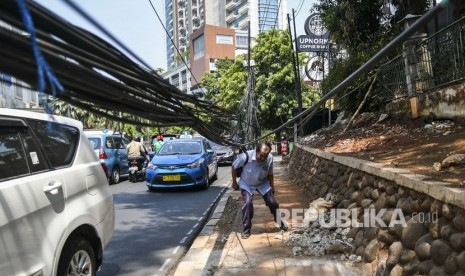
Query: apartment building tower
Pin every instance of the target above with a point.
(211, 19)
(263, 15)
(182, 17)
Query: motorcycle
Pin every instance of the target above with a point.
(137, 170)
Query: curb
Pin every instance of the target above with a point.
(196, 257)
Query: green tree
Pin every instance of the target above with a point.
(227, 85)
(274, 77)
(360, 29)
(275, 86)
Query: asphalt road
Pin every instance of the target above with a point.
(153, 229)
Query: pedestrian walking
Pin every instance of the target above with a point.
(256, 175)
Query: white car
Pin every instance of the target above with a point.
(56, 209)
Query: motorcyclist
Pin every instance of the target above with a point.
(136, 151)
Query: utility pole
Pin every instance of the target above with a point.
(251, 121)
(299, 86)
(296, 73)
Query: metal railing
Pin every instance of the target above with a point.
(432, 63)
(392, 84)
(441, 58)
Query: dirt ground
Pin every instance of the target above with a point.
(413, 144)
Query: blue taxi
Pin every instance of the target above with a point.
(183, 163)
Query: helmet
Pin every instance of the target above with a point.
(137, 139)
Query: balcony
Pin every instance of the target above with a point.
(230, 4)
(231, 16)
(243, 7)
(243, 22)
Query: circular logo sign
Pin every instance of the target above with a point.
(315, 25)
(317, 68)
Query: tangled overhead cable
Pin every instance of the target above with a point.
(96, 76)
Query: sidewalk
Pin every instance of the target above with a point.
(264, 252)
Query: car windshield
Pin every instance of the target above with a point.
(95, 143)
(217, 146)
(181, 147)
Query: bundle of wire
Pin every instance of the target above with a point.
(98, 77)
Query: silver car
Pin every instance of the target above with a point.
(56, 209)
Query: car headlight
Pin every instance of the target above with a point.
(152, 166)
(195, 164)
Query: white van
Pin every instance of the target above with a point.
(56, 209)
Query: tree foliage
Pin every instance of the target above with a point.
(361, 29)
(274, 80)
(226, 86)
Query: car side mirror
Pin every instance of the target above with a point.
(210, 151)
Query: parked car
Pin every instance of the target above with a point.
(182, 163)
(110, 148)
(56, 211)
(225, 154)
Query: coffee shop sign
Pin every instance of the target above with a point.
(317, 36)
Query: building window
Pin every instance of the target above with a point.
(242, 41)
(184, 77)
(224, 39)
(199, 47)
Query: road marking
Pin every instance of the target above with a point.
(195, 226)
(201, 218)
(183, 240)
(164, 265)
(176, 249)
(205, 213)
(190, 232)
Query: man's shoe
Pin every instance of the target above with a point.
(284, 226)
(245, 236)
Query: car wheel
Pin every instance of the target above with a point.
(215, 177)
(77, 258)
(207, 180)
(115, 176)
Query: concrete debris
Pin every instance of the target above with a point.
(382, 117)
(454, 160)
(443, 125)
(316, 236)
(296, 250)
(437, 166)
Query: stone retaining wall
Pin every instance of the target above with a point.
(434, 246)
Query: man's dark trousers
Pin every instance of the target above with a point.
(247, 208)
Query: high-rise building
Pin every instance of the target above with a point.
(263, 15)
(182, 17)
(187, 18)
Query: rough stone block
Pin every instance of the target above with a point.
(440, 250)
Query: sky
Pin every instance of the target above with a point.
(136, 25)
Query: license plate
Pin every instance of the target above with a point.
(133, 169)
(175, 177)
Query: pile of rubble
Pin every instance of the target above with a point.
(318, 236)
